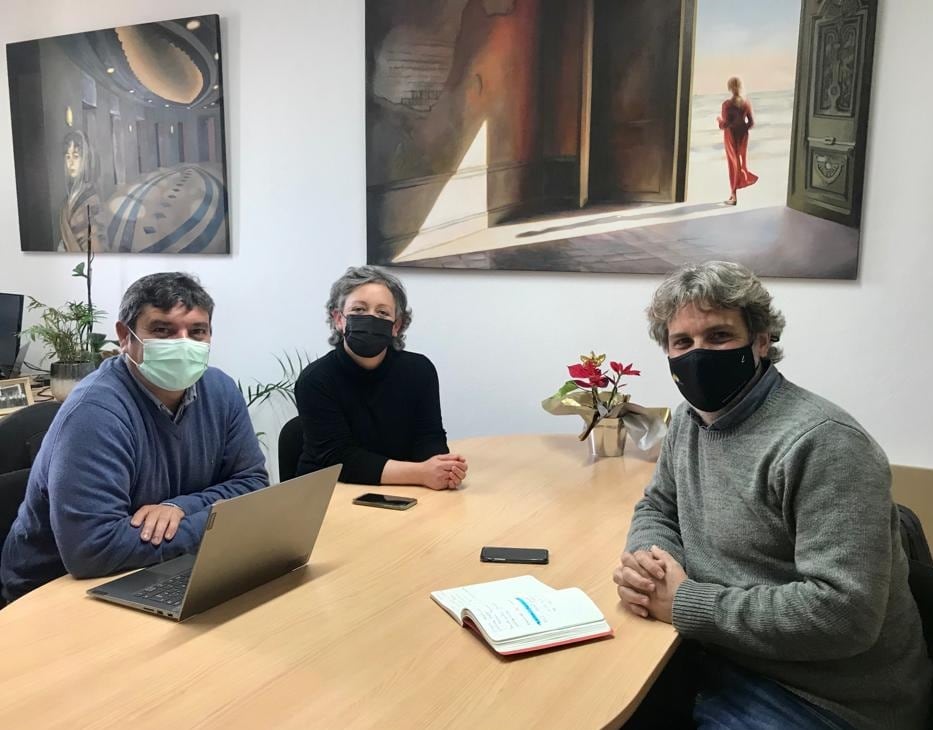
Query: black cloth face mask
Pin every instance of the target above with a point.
(367, 335)
(709, 379)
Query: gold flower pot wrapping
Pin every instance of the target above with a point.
(646, 427)
(607, 437)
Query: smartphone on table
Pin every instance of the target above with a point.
(535, 556)
(386, 501)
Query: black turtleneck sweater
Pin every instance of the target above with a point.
(362, 418)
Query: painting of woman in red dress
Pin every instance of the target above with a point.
(735, 121)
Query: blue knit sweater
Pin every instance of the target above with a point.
(112, 449)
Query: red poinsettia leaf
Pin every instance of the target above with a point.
(617, 366)
(578, 371)
(583, 384)
(628, 370)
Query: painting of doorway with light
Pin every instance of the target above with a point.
(546, 135)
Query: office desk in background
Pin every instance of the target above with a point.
(353, 640)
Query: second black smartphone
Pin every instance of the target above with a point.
(386, 501)
(536, 556)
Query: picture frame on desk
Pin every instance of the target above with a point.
(14, 394)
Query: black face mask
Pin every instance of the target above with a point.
(709, 379)
(367, 335)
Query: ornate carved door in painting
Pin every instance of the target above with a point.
(831, 108)
(642, 61)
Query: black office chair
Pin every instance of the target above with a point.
(920, 576)
(21, 435)
(921, 585)
(12, 492)
(291, 443)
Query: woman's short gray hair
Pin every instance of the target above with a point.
(357, 276)
(716, 285)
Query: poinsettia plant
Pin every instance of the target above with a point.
(589, 375)
(585, 393)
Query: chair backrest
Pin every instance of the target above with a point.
(921, 569)
(291, 443)
(921, 586)
(12, 492)
(21, 435)
(912, 486)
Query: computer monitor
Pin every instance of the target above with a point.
(11, 322)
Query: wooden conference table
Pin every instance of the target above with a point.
(353, 640)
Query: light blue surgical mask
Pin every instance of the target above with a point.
(172, 364)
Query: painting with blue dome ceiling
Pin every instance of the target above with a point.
(118, 139)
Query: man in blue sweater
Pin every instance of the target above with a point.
(139, 451)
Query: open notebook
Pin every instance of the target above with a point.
(523, 614)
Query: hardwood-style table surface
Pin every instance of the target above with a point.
(353, 640)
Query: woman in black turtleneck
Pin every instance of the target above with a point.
(368, 404)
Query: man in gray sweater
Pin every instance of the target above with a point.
(768, 534)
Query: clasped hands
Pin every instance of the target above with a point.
(647, 581)
(444, 471)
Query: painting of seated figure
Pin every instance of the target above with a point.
(118, 139)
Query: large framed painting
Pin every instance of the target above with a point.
(118, 139)
(617, 135)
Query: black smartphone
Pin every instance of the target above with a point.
(538, 556)
(386, 501)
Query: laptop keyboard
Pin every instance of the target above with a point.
(169, 591)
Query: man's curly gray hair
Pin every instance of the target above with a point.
(716, 285)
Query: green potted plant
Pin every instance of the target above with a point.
(68, 333)
(258, 393)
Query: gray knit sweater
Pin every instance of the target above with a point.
(781, 515)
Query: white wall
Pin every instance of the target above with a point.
(500, 340)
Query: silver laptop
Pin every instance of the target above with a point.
(248, 541)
